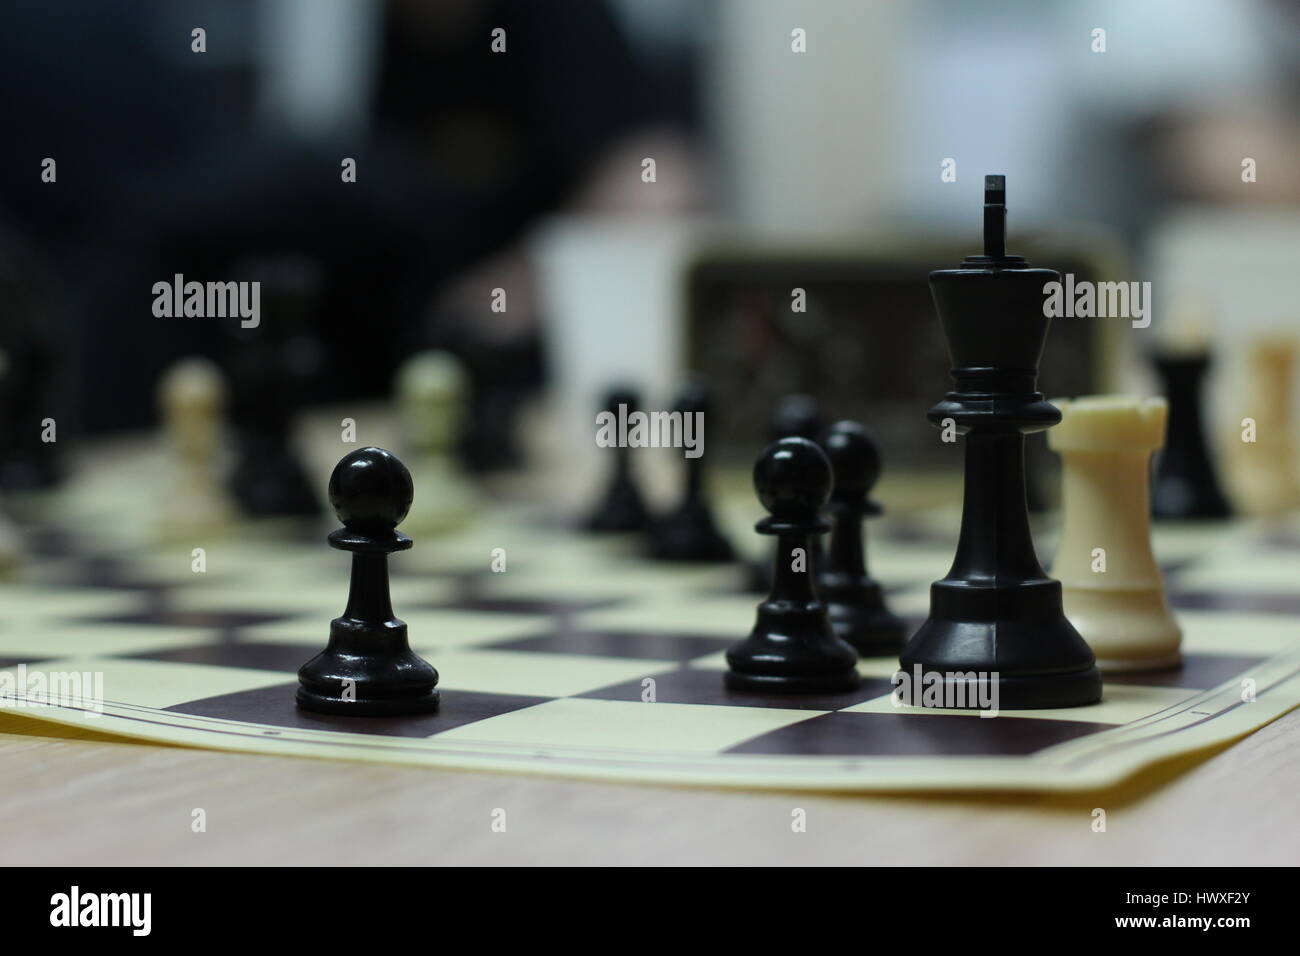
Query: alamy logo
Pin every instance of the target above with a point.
(1100, 300)
(651, 430)
(78, 690)
(973, 690)
(209, 300)
(75, 908)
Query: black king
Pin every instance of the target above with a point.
(996, 630)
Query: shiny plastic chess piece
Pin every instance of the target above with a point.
(792, 648)
(1114, 592)
(996, 629)
(368, 667)
(855, 601)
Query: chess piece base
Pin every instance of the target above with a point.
(1127, 630)
(1017, 637)
(1037, 692)
(858, 615)
(791, 651)
(342, 680)
(367, 707)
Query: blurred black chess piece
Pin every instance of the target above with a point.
(1185, 483)
(793, 647)
(503, 375)
(689, 532)
(795, 416)
(272, 367)
(368, 667)
(855, 601)
(996, 634)
(621, 507)
(35, 361)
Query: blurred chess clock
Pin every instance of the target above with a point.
(855, 327)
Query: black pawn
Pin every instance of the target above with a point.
(855, 602)
(368, 668)
(996, 627)
(1185, 484)
(792, 648)
(622, 508)
(689, 533)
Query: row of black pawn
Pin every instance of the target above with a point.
(824, 609)
(822, 612)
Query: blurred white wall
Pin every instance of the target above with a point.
(852, 133)
(807, 141)
(317, 60)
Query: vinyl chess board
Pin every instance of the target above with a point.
(582, 658)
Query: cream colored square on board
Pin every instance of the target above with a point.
(539, 674)
(628, 726)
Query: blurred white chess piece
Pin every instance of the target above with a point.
(431, 392)
(1113, 591)
(1266, 466)
(191, 399)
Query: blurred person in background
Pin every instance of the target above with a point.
(166, 167)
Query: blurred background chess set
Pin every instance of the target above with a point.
(630, 192)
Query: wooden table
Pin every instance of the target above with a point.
(98, 800)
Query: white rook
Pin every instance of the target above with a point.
(1114, 593)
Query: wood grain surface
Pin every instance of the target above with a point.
(93, 800)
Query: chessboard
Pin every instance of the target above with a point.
(568, 654)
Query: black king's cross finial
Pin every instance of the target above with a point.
(995, 216)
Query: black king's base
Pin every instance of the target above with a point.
(996, 634)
